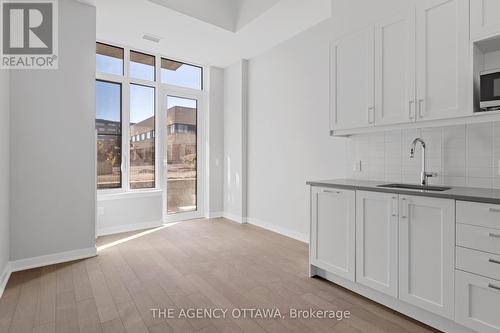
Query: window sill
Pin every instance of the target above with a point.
(106, 196)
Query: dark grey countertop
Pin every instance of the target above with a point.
(458, 193)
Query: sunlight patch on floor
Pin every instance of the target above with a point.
(129, 238)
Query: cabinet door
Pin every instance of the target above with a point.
(477, 300)
(395, 69)
(427, 252)
(484, 18)
(442, 58)
(332, 231)
(377, 241)
(352, 80)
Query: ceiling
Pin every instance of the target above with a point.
(231, 15)
(207, 32)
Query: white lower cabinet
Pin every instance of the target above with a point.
(477, 302)
(477, 278)
(405, 246)
(426, 253)
(332, 245)
(377, 241)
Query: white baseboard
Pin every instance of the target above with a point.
(426, 317)
(278, 229)
(128, 227)
(4, 278)
(268, 226)
(233, 217)
(50, 259)
(214, 215)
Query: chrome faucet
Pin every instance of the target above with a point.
(424, 174)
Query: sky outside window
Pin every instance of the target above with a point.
(109, 59)
(142, 66)
(108, 101)
(180, 74)
(142, 103)
(178, 101)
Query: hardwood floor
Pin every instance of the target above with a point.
(203, 264)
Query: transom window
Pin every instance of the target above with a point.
(142, 66)
(181, 74)
(109, 59)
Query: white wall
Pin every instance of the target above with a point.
(53, 145)
(130, 211)
(467, 155)
(288, 116)
(4, 174)
(350, 15)
(288, 131)
(235, 90)
(215, 141)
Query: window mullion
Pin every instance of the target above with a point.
(159, 147)
(126, 122)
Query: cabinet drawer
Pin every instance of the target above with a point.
(485, 215)
(478, 262)
(476, 302)
(478, 238)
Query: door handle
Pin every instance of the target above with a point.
(494, 210)
(404, 207)
(410, 104)
(393, 206)
(420, 113)
(494, 235)
(335, 192)
(494, 261)
(492, 286)
(123, 164)
(371, 110)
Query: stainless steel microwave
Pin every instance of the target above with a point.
(490, 90)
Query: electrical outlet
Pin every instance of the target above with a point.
(100, 211)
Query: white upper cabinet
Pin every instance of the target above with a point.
(409, 67)
(352, 80)
(484, 18)
(377, 241)
(332, 244)
(426, 253)
(442, 32)
(395, 69)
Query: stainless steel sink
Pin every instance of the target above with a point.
(416, 187)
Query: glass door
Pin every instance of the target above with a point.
(181, 199)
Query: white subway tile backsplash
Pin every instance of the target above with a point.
(480, 140)
(465, 155)
(479, 182)
(455, 181)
